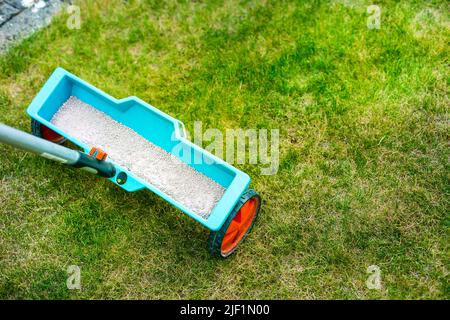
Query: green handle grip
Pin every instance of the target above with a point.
(91, 164)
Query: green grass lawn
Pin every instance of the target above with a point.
(364, 159)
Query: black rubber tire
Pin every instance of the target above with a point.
(36, 130)
(216, 237)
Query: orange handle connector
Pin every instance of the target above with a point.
(98, 153)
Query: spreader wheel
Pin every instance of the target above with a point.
(41, 131)
(223, 243)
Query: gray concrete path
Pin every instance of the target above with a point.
(20, 18)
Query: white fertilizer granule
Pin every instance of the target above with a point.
(146, 160)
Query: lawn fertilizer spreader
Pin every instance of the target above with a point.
(137, 146)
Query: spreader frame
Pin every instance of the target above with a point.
(141, 117)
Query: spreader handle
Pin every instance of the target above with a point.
(49, 150)
(89, 163)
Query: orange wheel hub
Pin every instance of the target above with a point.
(50, 135)
(239, 226)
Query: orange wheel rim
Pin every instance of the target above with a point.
(239, 226)
(50, 135)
